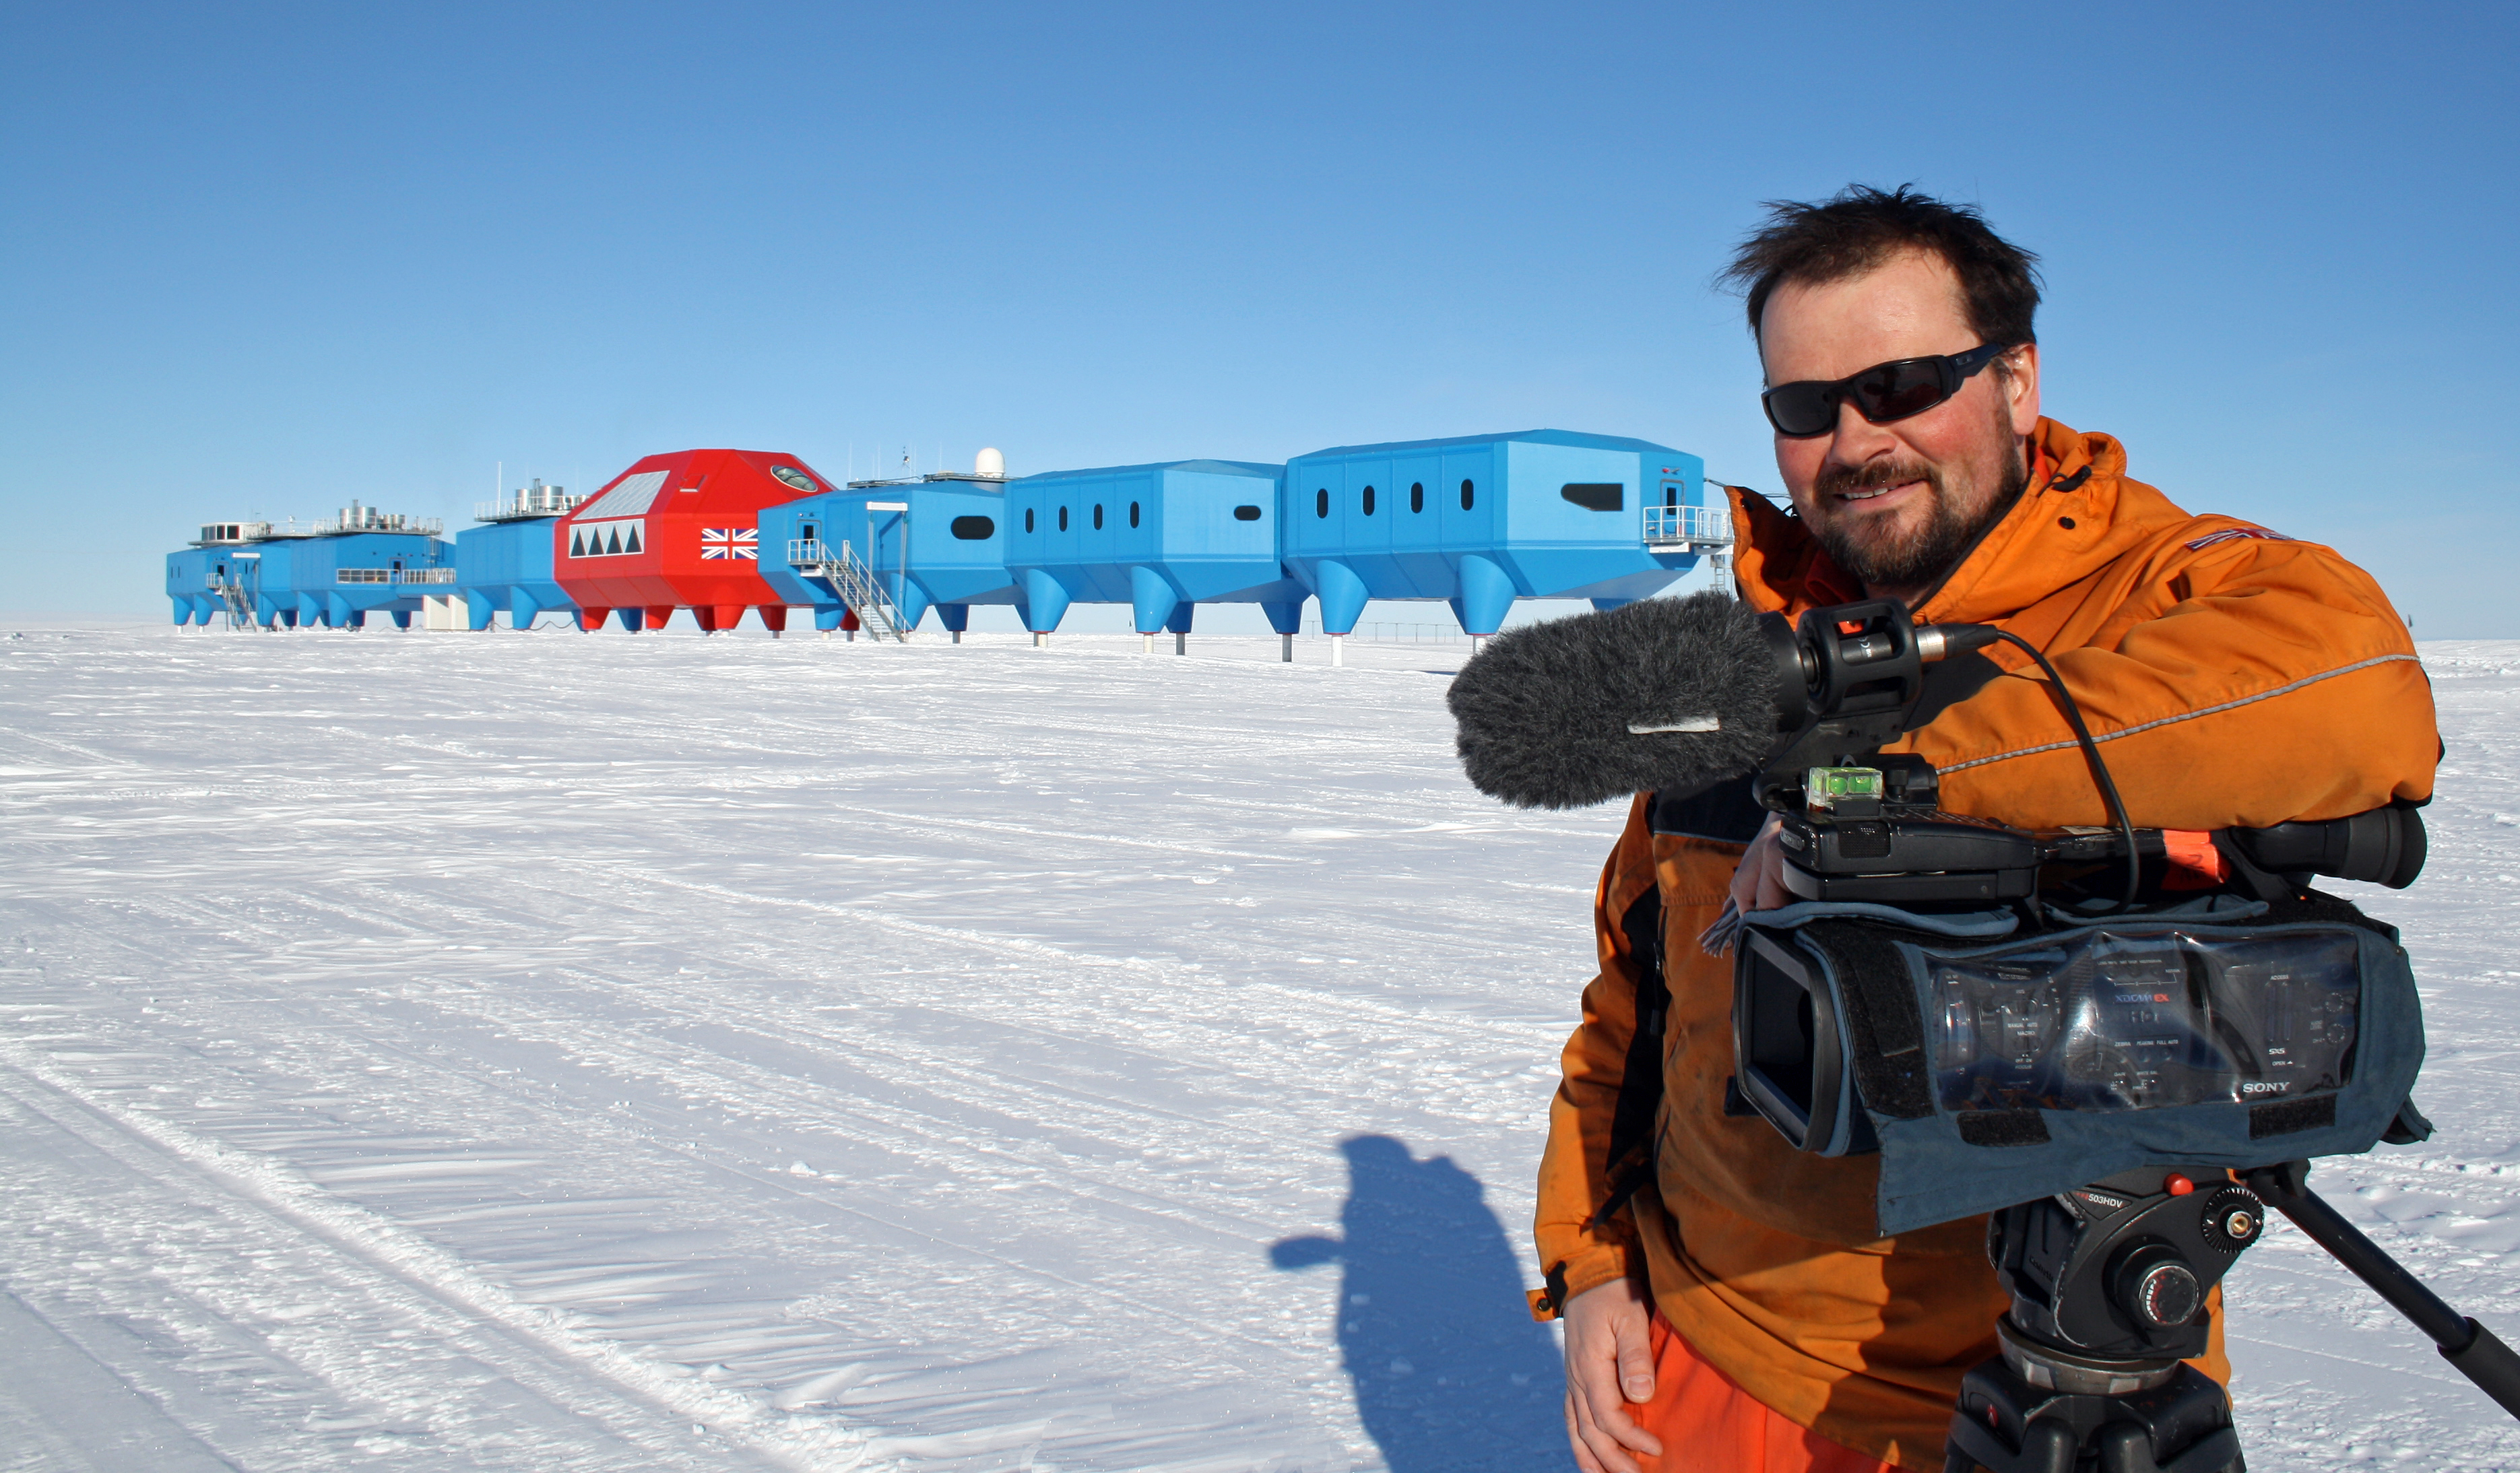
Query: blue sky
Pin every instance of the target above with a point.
(257, 259)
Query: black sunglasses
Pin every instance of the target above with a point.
(1881, 393)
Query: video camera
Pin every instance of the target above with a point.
(2040, 1026)
(2125, 1083)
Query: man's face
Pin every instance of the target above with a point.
(1895, 504)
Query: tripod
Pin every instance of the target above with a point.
(2108, 1286)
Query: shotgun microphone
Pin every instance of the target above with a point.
(1663, 692)
(1680, 692)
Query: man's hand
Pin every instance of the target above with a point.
(1759, 883)
(1608, 1364)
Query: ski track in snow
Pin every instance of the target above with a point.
(586, 1052)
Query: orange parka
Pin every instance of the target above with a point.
(2233, 676)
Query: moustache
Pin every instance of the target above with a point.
(1874, 475)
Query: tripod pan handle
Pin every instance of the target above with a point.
(2470, 1347)
(2490, 1364)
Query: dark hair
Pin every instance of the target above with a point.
(1861, 226)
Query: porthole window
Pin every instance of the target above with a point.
(1465, 494)
(1369, 501)
(1322, 502)
(1097, 516)
(977, 528)
(1027, 519)
(1133, 514)
(1062, 518)
(1416, 496)
(1247, 514)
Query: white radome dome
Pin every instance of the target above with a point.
(989, 462)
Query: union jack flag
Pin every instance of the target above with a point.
(731, 542)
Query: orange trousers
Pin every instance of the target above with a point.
(1709, 1425)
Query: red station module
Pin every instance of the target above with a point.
(679, 532)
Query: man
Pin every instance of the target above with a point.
(1741, 1311)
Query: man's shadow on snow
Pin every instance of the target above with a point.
(1450, 1374)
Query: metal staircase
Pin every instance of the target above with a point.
(237, 600)
(857, 587)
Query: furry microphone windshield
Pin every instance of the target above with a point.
(1663, 692)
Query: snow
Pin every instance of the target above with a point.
(566, 1050)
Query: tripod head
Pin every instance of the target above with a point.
(2108, 1286)
(2119, 1269)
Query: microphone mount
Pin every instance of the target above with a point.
(1860, 825)
(1846, 679)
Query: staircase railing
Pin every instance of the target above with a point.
(848, 575)
(238, 601)
(1694, 528)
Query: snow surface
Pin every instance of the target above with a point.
(561, 1051)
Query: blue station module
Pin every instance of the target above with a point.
(1162, 538)
(365, 561)
(221, 572)
(504, 564)
(936, 542)
(1485, 519)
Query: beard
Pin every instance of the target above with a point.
(1881, 554)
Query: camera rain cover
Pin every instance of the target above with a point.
(2222, 1033)
(2096, 1020)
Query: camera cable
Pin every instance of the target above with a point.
(2099, 768)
